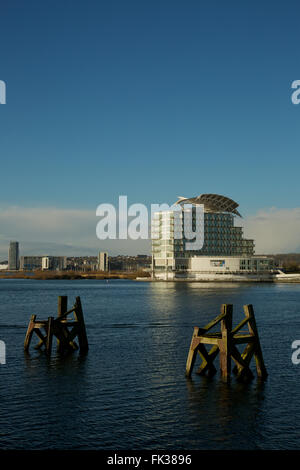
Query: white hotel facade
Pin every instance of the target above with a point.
(225, 253)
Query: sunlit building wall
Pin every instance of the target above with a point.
(224, 247)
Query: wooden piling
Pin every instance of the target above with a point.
(225, 342)
(260, 365)
(82, 337)
(62, 307)
(50, 331)
(29, 332)
(62, 328)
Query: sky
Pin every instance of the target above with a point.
(153, 100)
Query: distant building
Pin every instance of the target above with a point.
(112, 263)
(13, 256)
(103, 261)
(46, 262)
(30, 263)
(82, 263)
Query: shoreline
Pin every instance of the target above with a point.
(133, 276)
(61, 275)
(228, 281)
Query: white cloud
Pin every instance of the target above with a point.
(274, 230)
(57, 231)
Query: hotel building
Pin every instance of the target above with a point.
(224, 254)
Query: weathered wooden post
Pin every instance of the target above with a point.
(260, 365)
(192, 353)
(62, 308)
(225, 342)
(82, 337)
(201, 337)
(29, 332)
(50, 331)
(63, 329)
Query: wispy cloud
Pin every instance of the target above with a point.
(274, 230)
(72, 232)
(50, 230)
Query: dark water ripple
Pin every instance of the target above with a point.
(130, 391)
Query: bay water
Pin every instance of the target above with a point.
(130, 390)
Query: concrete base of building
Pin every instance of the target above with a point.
(215, 277)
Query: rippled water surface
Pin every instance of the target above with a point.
(130, 391)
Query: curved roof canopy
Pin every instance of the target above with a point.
(212, 203)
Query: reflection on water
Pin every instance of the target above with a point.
(235, 404)
(198, 285)
(130, 391)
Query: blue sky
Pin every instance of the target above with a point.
(149, 99)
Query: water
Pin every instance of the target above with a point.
(130, 391)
